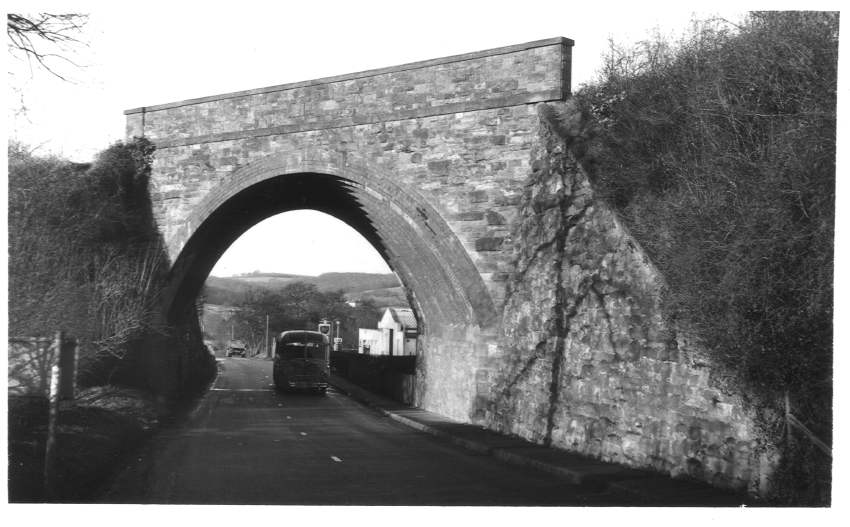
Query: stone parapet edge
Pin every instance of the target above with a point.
(366, 73)
(419, 113)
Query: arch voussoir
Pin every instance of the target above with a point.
(420, 245)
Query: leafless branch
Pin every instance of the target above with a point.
(28, 35)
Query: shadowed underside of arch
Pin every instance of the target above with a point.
(443, 285)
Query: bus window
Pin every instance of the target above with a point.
(302, 346)
(315, 350)
(291, 350)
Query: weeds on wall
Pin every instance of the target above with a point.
(84, 253)
(718, 152)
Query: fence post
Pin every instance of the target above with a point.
(53, 416)
(50, 445)
(62, 388)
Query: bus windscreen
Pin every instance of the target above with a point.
(304, 346)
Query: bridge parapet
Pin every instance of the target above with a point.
(521, 74)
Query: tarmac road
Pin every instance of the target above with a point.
(245, 443)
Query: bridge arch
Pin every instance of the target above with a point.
(443, 285)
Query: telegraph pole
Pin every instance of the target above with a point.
(337, 340)
(268, 351)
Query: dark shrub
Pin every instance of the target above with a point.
(85, 256)
(719, 155)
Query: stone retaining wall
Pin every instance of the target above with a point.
(589, 362)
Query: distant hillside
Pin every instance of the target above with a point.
(242, 283)
(354, 282)
(384, 297)
(385, 287)
(270, 278)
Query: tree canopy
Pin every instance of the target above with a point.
(296, 305)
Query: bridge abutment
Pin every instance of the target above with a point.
(590, 361)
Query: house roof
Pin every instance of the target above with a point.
(404, 316)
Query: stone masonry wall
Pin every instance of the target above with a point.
(589, 363)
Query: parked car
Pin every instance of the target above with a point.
(236, 347)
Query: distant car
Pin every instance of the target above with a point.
(236, 347)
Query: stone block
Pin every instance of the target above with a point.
(494, 218)
(472, 215)
(488, 244)
(439, 167)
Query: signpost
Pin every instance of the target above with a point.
(325, 327)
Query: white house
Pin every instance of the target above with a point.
(396, 334)
(369, 341)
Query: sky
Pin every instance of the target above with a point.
(146, 53)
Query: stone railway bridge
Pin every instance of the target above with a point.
(539, 315)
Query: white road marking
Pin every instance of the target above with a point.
(338, 460)
(239, 390)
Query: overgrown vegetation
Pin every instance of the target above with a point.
(85, 256)
(718, 152)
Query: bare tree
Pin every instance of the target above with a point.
(44, 36)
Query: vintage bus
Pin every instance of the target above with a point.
(302, 361)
